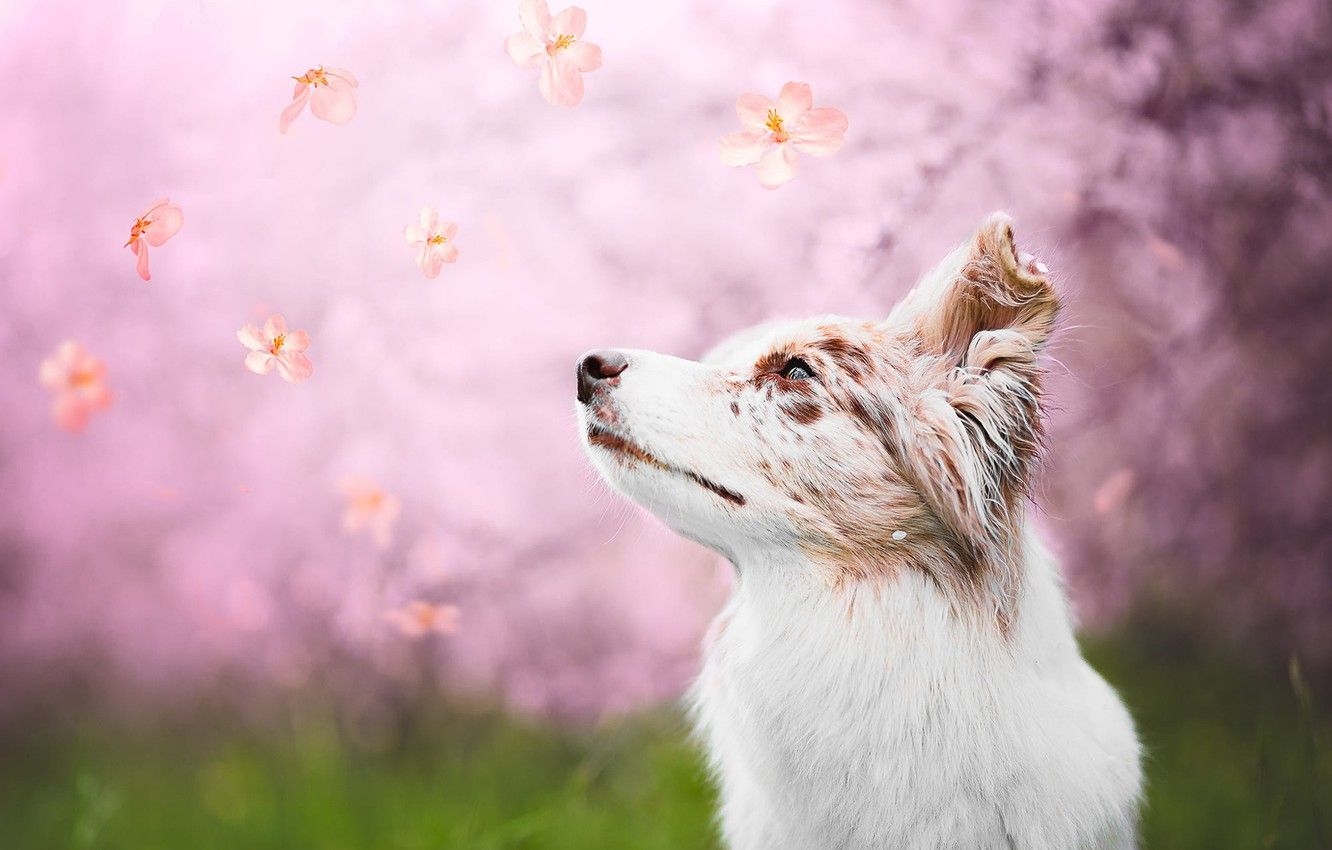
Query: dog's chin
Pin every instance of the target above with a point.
(642, 475)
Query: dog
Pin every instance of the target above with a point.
(896, 666)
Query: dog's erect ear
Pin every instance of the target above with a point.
(984, 293)
(978, 323)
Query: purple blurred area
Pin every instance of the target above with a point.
(1170, 162)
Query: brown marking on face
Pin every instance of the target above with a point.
(602, 438)
(729, 495)
(735, 408)
(772, 363)
(805, 412)
(846, 354)
(612, 442)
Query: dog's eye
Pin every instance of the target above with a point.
(797, 370)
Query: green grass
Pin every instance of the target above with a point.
(1235, 757)
(1238, 758)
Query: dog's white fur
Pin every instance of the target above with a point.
(896, 667)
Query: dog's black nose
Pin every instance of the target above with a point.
(598, 366)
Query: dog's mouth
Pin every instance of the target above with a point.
(604, 438)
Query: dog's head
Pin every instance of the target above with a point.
(873, 446)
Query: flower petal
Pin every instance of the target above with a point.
(584, 55)
(294, 367)
(259, 362)
(71, 353)
(294, 108)
(753, 112)
(794, 101)
(535, 15)
(431, 263)
(742, 148)
(296, 342)
(449, 230)
(341, 77)
(52, 373)
(250, 337)
(275, 327)
(572, 21)
(820, 131)
(140, 247)
(98, 397)
(777, 166)
(429, 220)
(449, 253)
(524, 50)
(166, 222)
(561, 83)
(71, 412)
(334, 105)
(414, 234)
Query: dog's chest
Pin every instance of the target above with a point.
(836, 731)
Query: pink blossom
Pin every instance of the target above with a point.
(331, 93)
(1113, 492)
(417, 619)
(274, 346)
(160, 223)
(369, 506)
(555, 46)
(78, 381)
(774, 133)
(433, 241)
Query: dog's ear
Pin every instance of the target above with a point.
(978, 324)
(984, 292)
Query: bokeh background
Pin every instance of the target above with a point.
(193, 651)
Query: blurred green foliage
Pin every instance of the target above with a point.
(1238, 758)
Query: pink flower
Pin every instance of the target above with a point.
(160, 223)
(331, 93)
(417, 619)
(433, 241)
(774, 133)
(276, 346)
(554, 46)
(369, 506)
(1113, 492)
(79, 382)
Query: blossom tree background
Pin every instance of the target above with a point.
(418, 510)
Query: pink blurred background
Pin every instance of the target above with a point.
(1170, 162)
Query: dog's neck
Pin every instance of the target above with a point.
(781, 593)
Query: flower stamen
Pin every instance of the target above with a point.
(774, 124)
(560, 43)
(313, 77)
(139, 228)
(369, 502)
(277, 343)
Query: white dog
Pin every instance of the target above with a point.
(896, 667)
